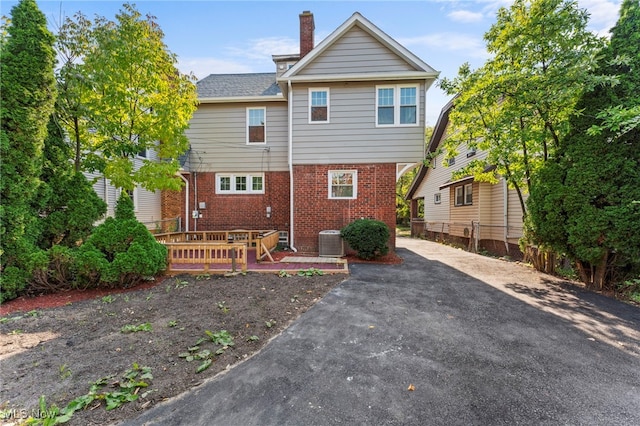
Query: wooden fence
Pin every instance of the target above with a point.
(194, 257)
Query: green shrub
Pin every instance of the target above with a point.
(120, 253)
(52, 270)
(124, 207)
(12, 281)
(368, 237)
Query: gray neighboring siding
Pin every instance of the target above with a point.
(217, 134)
(351, 136)
(356, 52)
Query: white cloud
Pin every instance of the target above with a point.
(202, 67)
(472, 46)
(603, 14)
(262, 49)
(465, 16)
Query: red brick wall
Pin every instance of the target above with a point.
(225, 212)
(315, 212)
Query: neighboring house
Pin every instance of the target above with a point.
(310, 147)
(147, 205)
(479, 215)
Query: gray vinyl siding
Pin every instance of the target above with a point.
(356, 52)
(351, 135)
(218, 138)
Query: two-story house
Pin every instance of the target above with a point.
(479, 215)
(312, 146)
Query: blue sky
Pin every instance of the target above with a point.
(214, 37)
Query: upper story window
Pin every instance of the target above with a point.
(240, 183)
(318, 105)
(397, 105)
(343, 184)
(464, 195)
(256, 125)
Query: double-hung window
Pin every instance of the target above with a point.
(318, 105)
(343, 184)
(256, 125)
(464, 195)
(397, 105)
(252, 183)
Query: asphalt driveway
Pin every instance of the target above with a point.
(479, 340)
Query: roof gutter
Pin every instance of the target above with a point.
(227, 99)
(291, 217)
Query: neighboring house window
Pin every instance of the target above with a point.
(240, 183)
(397, 105)
(256, 125)
(451, 161)
(318, 105)
(464, 195)
(343, 184)
(437, 198)
(471, 153)
(143, 153)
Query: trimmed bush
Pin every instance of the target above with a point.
(368, 237)
(120, 253)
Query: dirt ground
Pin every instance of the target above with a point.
(59, 352)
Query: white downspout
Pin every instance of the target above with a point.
(291, 189)
(505, 193)
(186, 203)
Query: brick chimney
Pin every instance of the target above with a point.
(307, 27)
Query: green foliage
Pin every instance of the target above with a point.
(67, 206)
(517, 105)
(124, 207)
(368, 237)
(586, 201)
(12, 281)
(130, 328)
(28, 93)
(123, 69)
(310, 272)
(120, 253)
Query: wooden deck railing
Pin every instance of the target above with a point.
(207, 247)
(202, 256)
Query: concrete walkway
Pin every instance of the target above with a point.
(480, 341)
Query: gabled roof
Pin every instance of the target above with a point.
(422, 68)
(434, 143)
(222, 87)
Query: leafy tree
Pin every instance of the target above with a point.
(516, 106)
(586, 203)
(124, 95)
(67, 205)
(28, 93)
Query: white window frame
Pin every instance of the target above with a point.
(437, 198)
(397, 105)
(468, 194)
(318, 90)
(354, 184)
(264, 124)
(465, 192)
(249, 179)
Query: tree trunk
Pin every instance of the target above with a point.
(594, 276)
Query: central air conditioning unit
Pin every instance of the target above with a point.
(331, 244)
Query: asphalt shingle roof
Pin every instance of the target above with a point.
(232, 85)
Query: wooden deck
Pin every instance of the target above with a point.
(209, 252)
